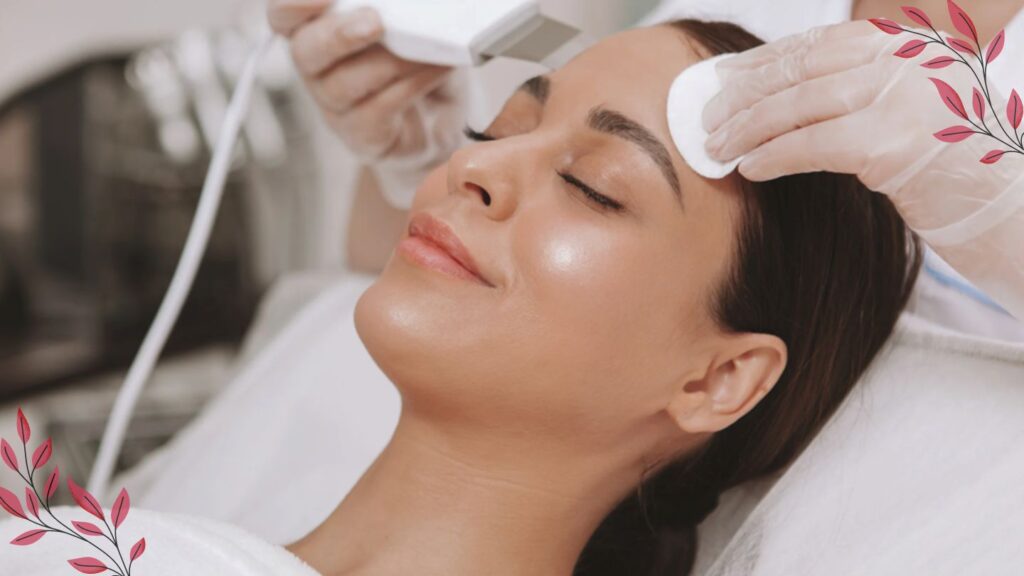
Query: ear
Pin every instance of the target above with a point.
(741, 373)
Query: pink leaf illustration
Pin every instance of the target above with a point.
(961, 20)
(31, 502)
(1014, 109)
(950, 97)
(917, 15)
(955, 134)
(993, 157)
(42, 454)
(85, 500)
(8, 455)
(138, 549)
(30, 537)
(995, 47)
(24, 431)
(959, 45)
(979, 104)
(52, 481)
(911, 49)
(121, 506)
(88, 565)
(886, 25)
(86, 528)
(939, 62)
(10, 503)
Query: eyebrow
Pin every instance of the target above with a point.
(617, 124)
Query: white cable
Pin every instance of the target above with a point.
(184, 275)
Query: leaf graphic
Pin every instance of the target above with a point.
(30, 537)
(954, 134)
(995, 47)
(951, 98)
(10, 503)
(88, 565)
(8, 455)
(960, 45)
(86, 528)
(31, 502)
(138, 549)
(886, 25)
(24, 431)
(52, 481)
(1014, 109)
(121, 506)
(917, 15)
(940, 62)
(993, 157)
(979, 104)
(911, 49)
(85, 500)
(42, 454)
(962, 21)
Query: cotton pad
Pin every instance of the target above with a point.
(690, 93)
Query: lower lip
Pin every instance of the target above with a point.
(429, 255)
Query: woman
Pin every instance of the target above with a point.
(629, 340)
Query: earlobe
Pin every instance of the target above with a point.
(745, 372)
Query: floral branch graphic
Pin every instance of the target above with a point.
(1014, 142)
(36, 502)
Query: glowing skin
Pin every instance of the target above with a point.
(532, 407)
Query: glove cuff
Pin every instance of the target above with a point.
(1004, 206)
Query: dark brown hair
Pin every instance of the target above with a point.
(824, 264)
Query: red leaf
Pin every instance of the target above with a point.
(979, 104)
(950, 97)
(955, 134)
(940, 62)
(961, 20)
(911, 49)
(24, 431)
(31, 502)
(88, 565)
(85, 500)
(886, 25)
(52, 481)
(30, 537)
(917, 15)
(138, 549)
(121, 506)
(993, 157)
(960, 45)
(995, 47)
(42, 454)
(1014, 109)
(87, 528)
(7, 453)
(10, 503)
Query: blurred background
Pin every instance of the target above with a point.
(108, 112)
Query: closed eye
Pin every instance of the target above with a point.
(594, 196)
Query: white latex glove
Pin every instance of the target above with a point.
(400, 117)
(836, 98)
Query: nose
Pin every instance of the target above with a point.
(490, 174)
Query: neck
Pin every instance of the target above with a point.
(440, 502)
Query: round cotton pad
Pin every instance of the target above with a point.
(690, 92)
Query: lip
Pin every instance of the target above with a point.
(433, 244)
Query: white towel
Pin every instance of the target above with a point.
(175, 544)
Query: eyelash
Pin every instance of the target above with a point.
(601, 200)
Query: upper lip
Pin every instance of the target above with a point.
(438, 232)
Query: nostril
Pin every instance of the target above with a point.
(483, 193)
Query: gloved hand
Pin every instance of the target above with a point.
(836, 98)
(396, 114)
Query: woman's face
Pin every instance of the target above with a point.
(598, 309)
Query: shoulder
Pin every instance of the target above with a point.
(174, 544)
